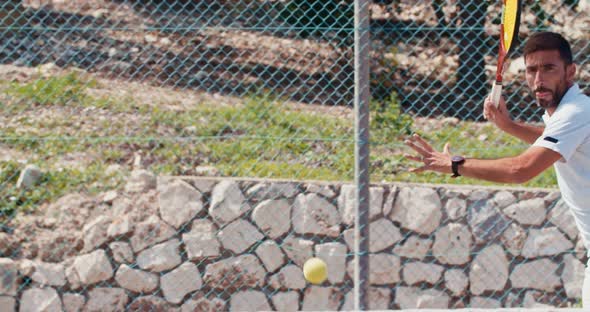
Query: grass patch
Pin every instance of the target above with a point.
(53, 184)
(259, 138)
(55, 90)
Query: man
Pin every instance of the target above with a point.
(564, 142)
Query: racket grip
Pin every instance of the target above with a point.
(496, 93)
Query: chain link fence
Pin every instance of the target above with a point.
(96, 91)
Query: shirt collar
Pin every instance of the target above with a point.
(571, 93)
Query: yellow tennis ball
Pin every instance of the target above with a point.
(315, 270)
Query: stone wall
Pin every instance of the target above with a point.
(199, 244)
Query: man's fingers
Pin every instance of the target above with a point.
(447, 149)
(414, 158)
(415, 147)
(424, 144)
(419, 169)
(488, 109)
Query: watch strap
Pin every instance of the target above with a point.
(456, 161)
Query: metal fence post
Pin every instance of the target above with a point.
(361, 103)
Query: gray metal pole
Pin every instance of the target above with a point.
(361, 104)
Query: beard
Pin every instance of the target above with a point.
(555, 98)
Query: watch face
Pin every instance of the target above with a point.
(457, 159)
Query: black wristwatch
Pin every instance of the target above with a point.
(455, 162)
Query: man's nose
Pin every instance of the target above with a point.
(539, 78)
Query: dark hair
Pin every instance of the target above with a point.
(543, 41)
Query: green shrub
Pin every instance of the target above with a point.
(55, 90)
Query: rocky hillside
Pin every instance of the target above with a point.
(232, 48)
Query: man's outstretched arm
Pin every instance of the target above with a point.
(517, 169)
(501, 118)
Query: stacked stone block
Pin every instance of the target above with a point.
(196, 244)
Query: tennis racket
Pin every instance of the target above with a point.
(508, 37)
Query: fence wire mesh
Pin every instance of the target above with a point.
(101, 96)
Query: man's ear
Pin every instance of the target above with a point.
(570, 73)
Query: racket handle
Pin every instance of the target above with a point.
(496, 93)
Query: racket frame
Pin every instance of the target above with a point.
(503, 52)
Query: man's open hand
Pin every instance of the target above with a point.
(431, 159)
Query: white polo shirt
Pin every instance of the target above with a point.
(567, 131)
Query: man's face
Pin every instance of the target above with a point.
(548, 77)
